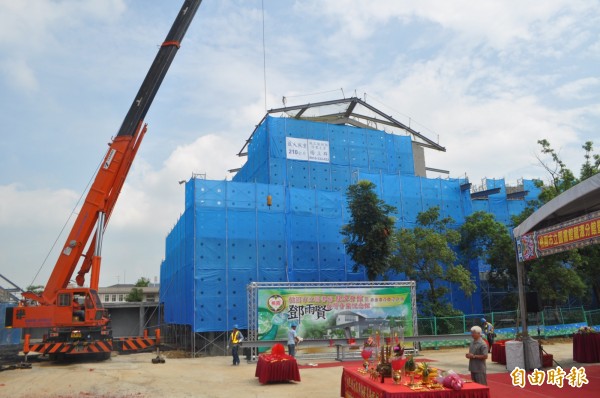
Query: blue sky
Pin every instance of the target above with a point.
(486, 78)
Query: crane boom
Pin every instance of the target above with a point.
(111, 177)
(54, 307)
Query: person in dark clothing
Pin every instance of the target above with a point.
(488, 329)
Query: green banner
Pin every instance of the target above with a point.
(322, 313)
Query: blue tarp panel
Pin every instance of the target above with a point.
(8, 336)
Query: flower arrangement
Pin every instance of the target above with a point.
(585, 330)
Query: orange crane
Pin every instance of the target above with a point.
(75, 317)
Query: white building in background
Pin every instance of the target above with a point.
(118, 293)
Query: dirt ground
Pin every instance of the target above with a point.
(135, 376)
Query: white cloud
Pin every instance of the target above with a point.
(490, 78)
(19, 74)
(30, 222)
(42, 207)
(579, 89)
(29, 31)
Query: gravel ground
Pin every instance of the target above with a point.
(135, 376)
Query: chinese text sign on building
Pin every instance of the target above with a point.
(304, 149)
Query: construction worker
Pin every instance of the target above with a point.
(488, 329)
(293, 339)
(78, 312)
(235, 340)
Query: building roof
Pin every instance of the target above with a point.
(581, 199)
(348, 111)
(122, 288)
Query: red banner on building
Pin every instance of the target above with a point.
(572, 234)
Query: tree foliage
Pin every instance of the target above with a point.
(137, 293)
(368, 235)
(425, 254)
(37, 289)
(571, 273)
(484, 238)
(142, 282)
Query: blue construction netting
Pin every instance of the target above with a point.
(352, 150)
(229, 236)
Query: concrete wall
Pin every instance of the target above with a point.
(419, 159)
(131, 319)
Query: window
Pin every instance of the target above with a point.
(121, 297)
(64, 300)
(106, 298)
(114, 297)
(88, 302)
(150, 298)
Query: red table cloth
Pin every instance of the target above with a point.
(586, 347)
(355, 384)
(272, 368)
(499, 352)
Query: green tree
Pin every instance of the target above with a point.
(368, 235)
(484, 238)
(591, 165)
(37, 289)
(137, 293)
(425, 254)
(561, 178)
(142, 282)
(574, 272)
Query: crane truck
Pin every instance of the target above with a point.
(75, 319)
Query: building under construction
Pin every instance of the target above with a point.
(279, 219)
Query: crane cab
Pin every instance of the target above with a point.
(73, 307)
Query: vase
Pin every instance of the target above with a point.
(397, 376)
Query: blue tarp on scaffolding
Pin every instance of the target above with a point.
(352, 150)
(8, 337)
(229, 237)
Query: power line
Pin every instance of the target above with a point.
(262, 2)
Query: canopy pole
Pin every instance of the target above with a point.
(522, 305)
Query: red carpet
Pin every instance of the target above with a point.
(501, 383)
(358, 364)
(501, 386)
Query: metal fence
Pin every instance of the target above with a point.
(551, 322)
